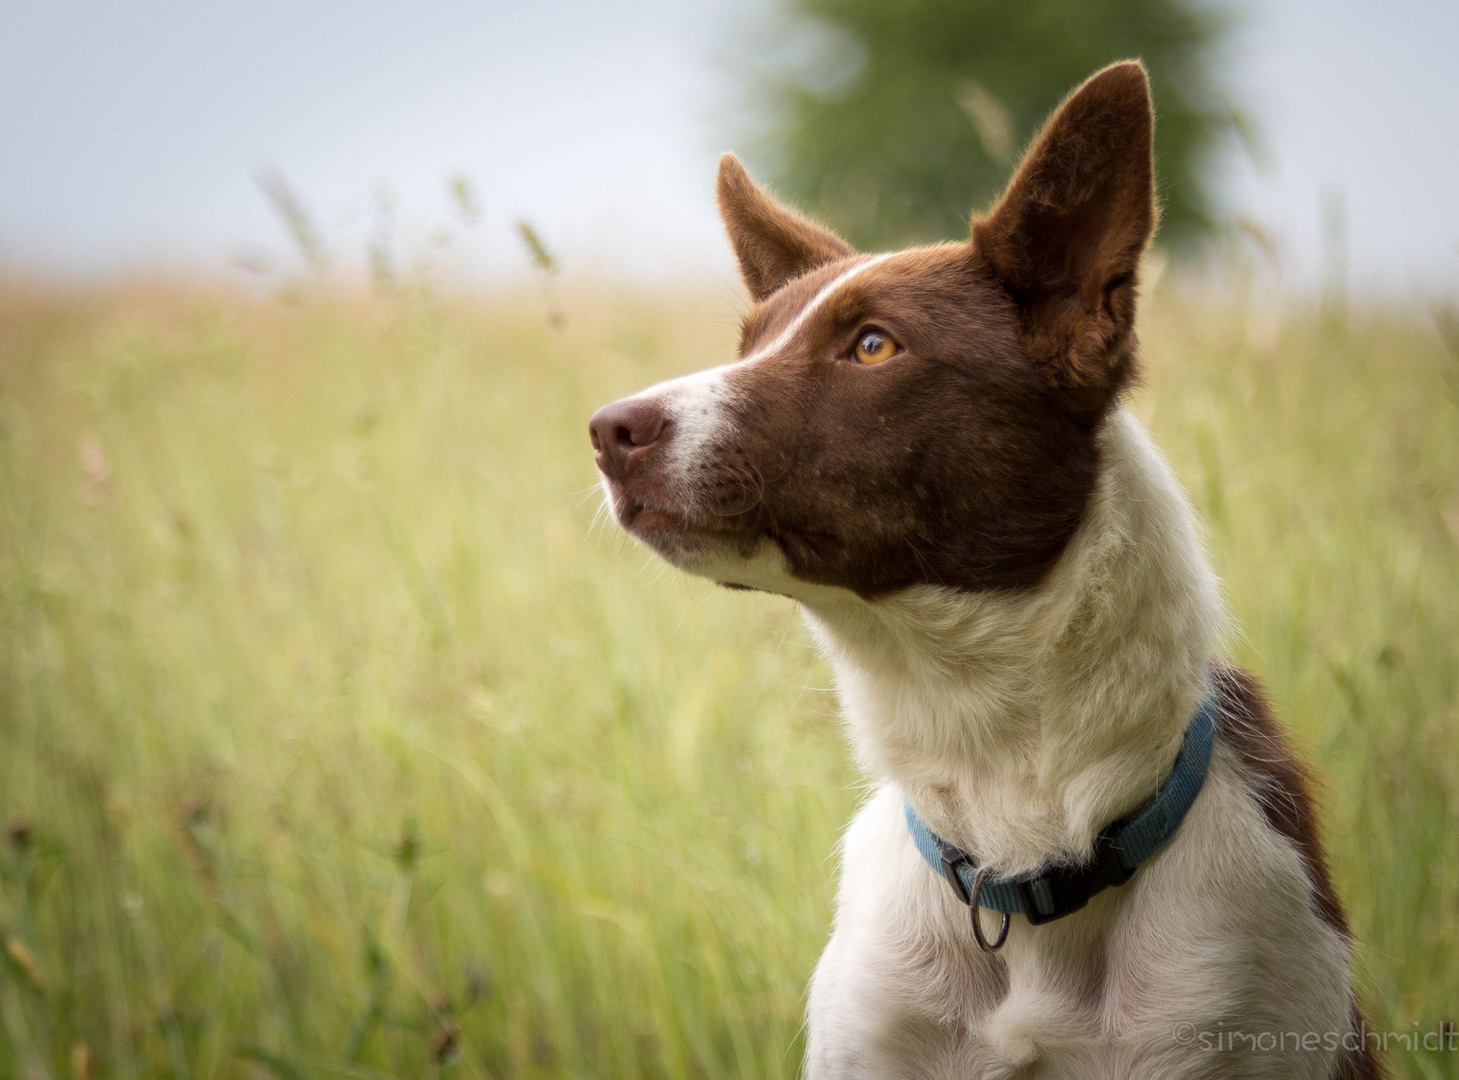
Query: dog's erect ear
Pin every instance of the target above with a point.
(772, 242)
(1066, 238)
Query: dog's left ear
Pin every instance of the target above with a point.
(772, 242)
(1066, 238)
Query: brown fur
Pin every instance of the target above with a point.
(1066, 238)
(951, 465)
(1284, 786)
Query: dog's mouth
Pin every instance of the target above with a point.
(645, 519)
(649, 520)
(678, 533)
(647, 516)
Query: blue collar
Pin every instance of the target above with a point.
(1062, 889)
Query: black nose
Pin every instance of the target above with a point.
(623, 432)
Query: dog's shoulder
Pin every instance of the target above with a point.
(1288, 792)
(1283, 783)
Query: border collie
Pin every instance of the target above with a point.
(927, 450)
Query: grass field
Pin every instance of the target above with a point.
(336, 740)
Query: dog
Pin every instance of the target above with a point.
(928, 451)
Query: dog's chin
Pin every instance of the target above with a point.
(736, 561)
(760, 567)
(695, 553)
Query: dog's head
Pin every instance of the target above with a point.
(926, 416)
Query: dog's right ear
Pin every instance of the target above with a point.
(772, 242)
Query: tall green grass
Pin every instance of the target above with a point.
(336, 738)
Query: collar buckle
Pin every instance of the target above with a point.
(952, 858)
(1067, 889)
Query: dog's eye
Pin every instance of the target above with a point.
(874, 347)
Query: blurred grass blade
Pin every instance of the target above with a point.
(295, 218)
(272, 1062)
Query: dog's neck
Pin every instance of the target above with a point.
(1019, 725)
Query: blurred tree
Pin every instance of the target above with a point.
(893, 119)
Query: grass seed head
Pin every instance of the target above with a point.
(19, 833)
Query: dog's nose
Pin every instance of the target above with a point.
(623, 432)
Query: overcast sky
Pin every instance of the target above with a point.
(133, 132)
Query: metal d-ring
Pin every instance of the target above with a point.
(976, 891)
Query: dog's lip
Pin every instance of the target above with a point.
(642, 517)
(649, 519)
(661, 520)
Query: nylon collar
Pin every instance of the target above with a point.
(1062, 889)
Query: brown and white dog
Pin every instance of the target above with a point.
(927, 450)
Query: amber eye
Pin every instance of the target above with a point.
(874, 347)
